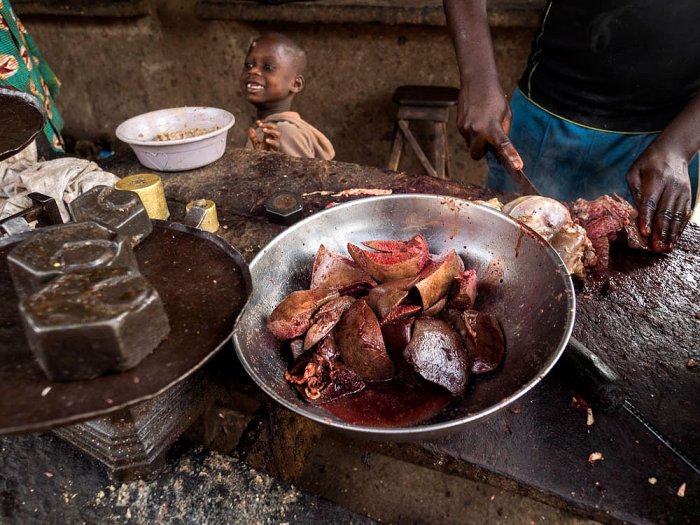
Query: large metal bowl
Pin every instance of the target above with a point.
(522, 281)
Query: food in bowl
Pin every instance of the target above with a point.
(193, 137)
(390, 325)
(185, 134)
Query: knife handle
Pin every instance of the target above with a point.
(592, 377)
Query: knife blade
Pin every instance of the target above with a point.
(523, 181)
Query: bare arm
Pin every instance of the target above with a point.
(483, 115)
(659, 179)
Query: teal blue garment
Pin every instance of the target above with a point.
(567, 161)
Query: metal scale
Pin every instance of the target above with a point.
(125, 420)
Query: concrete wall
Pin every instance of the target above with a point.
(115, 68)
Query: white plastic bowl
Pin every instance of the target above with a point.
(182, 154)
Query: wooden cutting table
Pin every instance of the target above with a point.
(642, 316)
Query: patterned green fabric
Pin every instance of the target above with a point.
(23, 67)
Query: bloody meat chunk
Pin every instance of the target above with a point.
(320, 377)
(396, 260)
(602, 219)
(296, 347)
(436, 278)
(332, 270)
(292, 317)
(360, 343)
(386, 297)
(397, 334)
(325, 319)
(463, 291)
(482, 337)
(437, 355)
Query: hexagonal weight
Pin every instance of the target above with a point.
(121, 210)
(56, 250)
(85, 324)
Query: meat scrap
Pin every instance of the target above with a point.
(602, 219)
(320, 377)
(362, 192)
(293, 316)
(552, 220)
(595, 456)
(580, 231)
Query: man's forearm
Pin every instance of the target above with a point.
(683, 133)
(469, 29)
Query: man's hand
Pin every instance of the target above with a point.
(483, 119)
(484, 114)
(271, 136)
(660, 186)
(659, 179)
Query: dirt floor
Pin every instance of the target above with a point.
(395, 492)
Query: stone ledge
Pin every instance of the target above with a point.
(502, 13)
(87, 8)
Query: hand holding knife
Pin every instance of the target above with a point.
(511, 163)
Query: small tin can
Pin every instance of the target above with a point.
(150, 189)
(210, 222)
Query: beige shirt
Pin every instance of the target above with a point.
(298, 138)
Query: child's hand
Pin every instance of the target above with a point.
(271, 137)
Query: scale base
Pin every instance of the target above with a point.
(132, 443)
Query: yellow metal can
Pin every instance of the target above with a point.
(149, 188)
(210, 223)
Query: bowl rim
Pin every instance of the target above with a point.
(421, 430)
(120, 128)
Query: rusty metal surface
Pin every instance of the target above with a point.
(203, 283)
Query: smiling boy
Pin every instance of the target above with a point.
(272, 75)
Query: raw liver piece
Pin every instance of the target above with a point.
(360, 343)
(85, 324)
(437, 354)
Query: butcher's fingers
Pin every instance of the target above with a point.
(477, 146)
(507, 153)
(670, 220)
(671, 214)
(661, 223)
(646, 194)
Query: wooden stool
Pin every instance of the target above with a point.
(428, 103)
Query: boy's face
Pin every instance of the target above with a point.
(269, 73)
